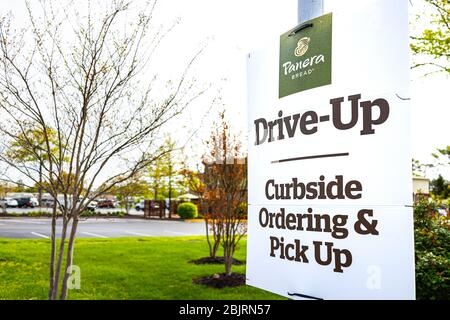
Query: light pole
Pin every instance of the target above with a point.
(309, 9)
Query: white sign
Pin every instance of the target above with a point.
(330, 185)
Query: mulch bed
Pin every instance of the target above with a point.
(216, 260)
(221, 280)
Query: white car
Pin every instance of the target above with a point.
(8, 203)
(34, 202)
(140, 206)
(91, 206)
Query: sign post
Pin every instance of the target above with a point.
(330, 185)
(309, 9)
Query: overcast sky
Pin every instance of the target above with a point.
(230, 29)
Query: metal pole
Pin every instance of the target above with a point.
(309, 9)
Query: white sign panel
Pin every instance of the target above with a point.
(330, 186)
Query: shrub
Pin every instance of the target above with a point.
(87, 213)
(432, 245)
(119, 214)
(187, 210)
(35, 214)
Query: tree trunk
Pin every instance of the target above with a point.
(127, 205)
(200, 202)
(40, 185)
(70, 248)
(227, 248)
(216, 233)
(227, 267)
(228, 260)
(60, 256)
(170, 197)
(216, 246)
(53, 253)
(207, 238)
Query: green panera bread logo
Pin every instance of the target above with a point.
(305, 56)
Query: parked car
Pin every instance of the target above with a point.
(8, 203)
(140, 206)
(92, 205)
(106, 203)
(47, 202)
(153, 205)
(27, 202)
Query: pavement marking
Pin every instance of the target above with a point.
(23, 221)
(139, 234)
(94, 235)
(103, 220)
(181, 233)
(40, 235)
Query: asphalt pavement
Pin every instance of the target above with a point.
(23, 227)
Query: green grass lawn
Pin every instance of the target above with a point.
(123, 268)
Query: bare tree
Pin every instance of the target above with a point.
(226, 187)
(212, 202)
(195, 182)
(86, 77)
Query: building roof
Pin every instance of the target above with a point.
(187, 196)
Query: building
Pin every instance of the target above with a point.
(421, 188)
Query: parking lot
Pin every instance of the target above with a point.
(19, 211)
(22, 227)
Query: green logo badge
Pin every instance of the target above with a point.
(305, 56)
